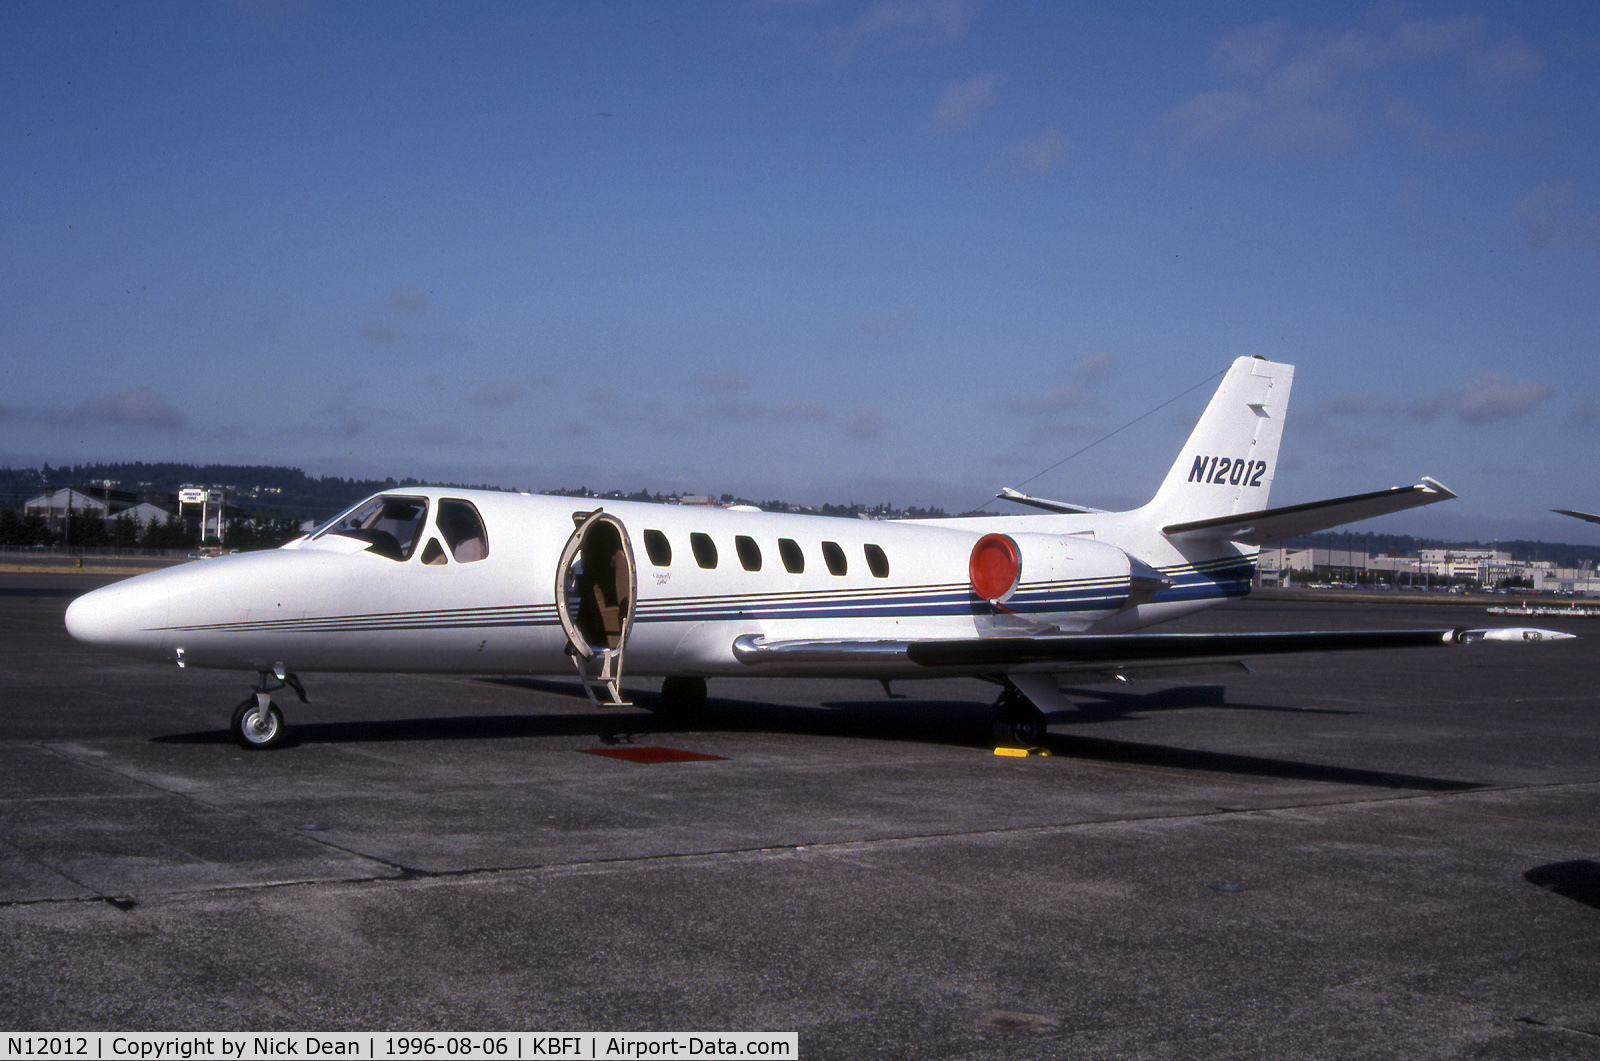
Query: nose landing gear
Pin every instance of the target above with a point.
(257, 724)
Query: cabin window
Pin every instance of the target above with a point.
(389, 525)
(794, 561)
(433, 552)
(704, 549)
(658, 548)
(877, 563)
(833, 556)
(749, 552)
(463, 531)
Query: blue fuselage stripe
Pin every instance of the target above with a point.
(1188, 583)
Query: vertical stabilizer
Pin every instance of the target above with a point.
(1228, 463)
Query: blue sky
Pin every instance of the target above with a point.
(904, 250)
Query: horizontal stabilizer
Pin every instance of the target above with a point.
(1591, 517)
(1068, 652)
(1008, 494)
(1276, 524)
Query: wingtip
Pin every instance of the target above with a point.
(1435, 486)
(1512, 633)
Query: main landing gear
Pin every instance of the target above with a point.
(257, 723)
(682, 698)
(1017, 721)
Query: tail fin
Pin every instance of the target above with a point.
(1228, 463)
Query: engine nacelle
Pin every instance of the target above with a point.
(1046, 576)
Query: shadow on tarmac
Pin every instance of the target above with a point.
(1134, 753)
(1114, 705)
(1578, 880)
(961, 723)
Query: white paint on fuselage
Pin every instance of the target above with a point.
(327, 604)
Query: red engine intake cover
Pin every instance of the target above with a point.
(995, 567)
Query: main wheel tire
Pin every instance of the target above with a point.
(1017, 721)
(257, 731)
(1029, 727)
(682, 698)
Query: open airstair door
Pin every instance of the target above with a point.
(596, 586)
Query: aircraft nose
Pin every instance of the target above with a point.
(115, 616)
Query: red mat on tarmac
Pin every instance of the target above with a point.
(654, 755)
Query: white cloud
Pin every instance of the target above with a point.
(1253, 51)
(1043, 152)
(407, 301)
(722, 382)
(1311, 87)
(1319, 417)
(890, 324)
(726, 390)
(961, 103)
(1088, 374)
(1060, 400)
(735, 408)
(378, 332)
(1550, 221)
(891, 26)
(1486, 398)
(800, 409)
(1212, 115)
(865, 424)
(439, 434)
(139, 407)
(496, 394)
(1096, 370)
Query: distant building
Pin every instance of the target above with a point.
(1486, 566)
(144, 514)
(97, 500)
(1580, 580)
(1282, 559)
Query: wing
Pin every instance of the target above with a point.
(1071, 652)
(1591, 517)
(1275, 524)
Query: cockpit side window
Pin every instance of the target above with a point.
(388, 524)
(463, 530)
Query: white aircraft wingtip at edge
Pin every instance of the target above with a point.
(441, 580)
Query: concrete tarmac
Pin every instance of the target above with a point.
(1367, 855)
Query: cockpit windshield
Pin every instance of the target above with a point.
(389, 524)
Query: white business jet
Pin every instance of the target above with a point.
(444, 580)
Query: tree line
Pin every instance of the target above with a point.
(91, 530)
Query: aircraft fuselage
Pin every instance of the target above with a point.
(335, 603)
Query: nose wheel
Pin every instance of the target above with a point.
(257, 723)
